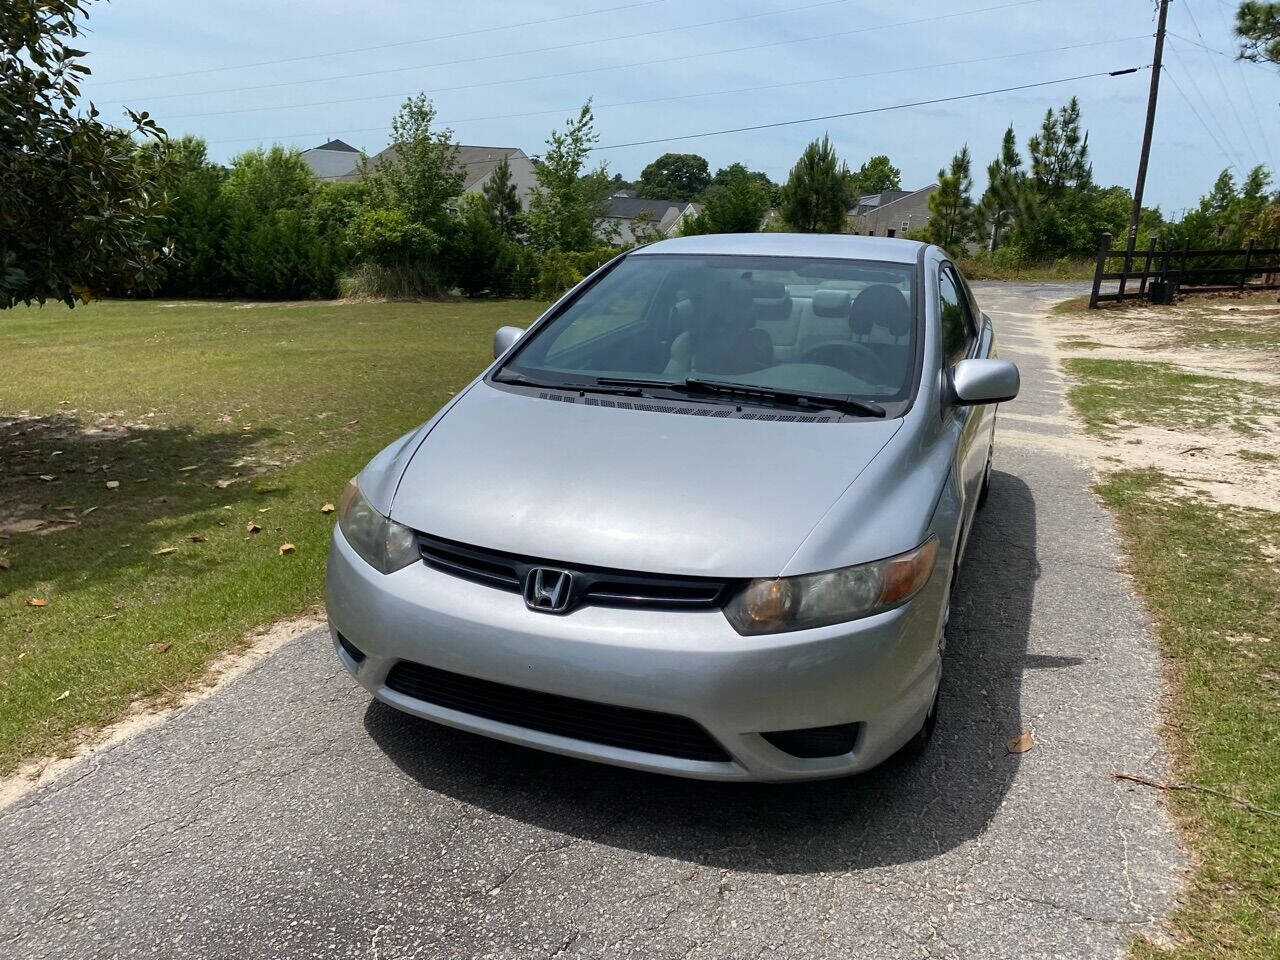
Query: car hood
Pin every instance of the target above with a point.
(635, 490)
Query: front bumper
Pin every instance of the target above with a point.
(880, 672)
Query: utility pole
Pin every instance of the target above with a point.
(1141, 183)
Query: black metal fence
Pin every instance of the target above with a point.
(1158, 275)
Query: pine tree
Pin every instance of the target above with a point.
(999, 204)
(819, 191)
(951, 220)
(501, 200)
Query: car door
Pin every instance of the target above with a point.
(963, 423)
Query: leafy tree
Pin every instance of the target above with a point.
(502, 201)
(725, 175)
(420, 174)
(878, 175)
(1225, 215)
(818, 191)
(272, 248)
(736, 204)
(999, 204)
(1258, 27)
(568, 207)
(77, 201)
(194, 221)
(951, 220)
(674, 176)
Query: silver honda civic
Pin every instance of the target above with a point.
(702, 518)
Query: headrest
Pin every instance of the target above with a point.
(831, 303)
(769, 290)
(883, 305)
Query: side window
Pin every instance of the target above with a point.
(956, 329)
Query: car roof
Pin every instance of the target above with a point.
(840, 246)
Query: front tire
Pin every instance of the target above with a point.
(918, 744)
(986, 482)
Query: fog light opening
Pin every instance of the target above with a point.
(351, 650)
(814, 743)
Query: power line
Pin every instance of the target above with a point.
(385, 46)
(495, 56)
(1248, 90)
(715, 93)
(1196, 113)
(1221, 53)
(618, 66)
(1218, 74)
(1237, 158)
(870, 110)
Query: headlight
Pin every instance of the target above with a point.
(385, 545)
(819, 599)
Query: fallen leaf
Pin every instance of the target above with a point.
(56, 453)
(164, 550)
(46, 477)
(197, 538)
(328, 508)
(352, 423)
(263, 509)
(1022, 743)
(37, 602)
(62, 696)
(286, 548)
(252, 527)
(66, 506)
(161, 648)
(194, 466)
(113, 484)
(4, 563)
(86, 512)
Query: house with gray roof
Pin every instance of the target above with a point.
(336, 161)
(633, 219)
(891, 213)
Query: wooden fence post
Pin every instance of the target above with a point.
(1248, 256)
(1146, 268)
(1104, 247)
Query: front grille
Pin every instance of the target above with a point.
(592, 586)
(602, 723)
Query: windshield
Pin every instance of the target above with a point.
(834, 328)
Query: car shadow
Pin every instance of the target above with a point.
(900, 812)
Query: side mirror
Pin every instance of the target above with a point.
(984, 381)
(504, 339)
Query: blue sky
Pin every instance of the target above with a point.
(146, 53)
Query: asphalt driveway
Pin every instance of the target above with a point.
(288, 816)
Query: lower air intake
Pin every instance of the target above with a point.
(625, 727)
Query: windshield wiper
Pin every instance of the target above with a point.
(520, 380)
(751, 391)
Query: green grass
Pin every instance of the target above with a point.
(1079, 343)
(1074, 305)
(982, 268)
(286, 400)
(1113, 393)
(1259, 456)
(1210, 576)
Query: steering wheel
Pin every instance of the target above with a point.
(854, 358)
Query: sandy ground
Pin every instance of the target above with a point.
(1208, 461)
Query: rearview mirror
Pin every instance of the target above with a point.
(504, 339)
(984, 381)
